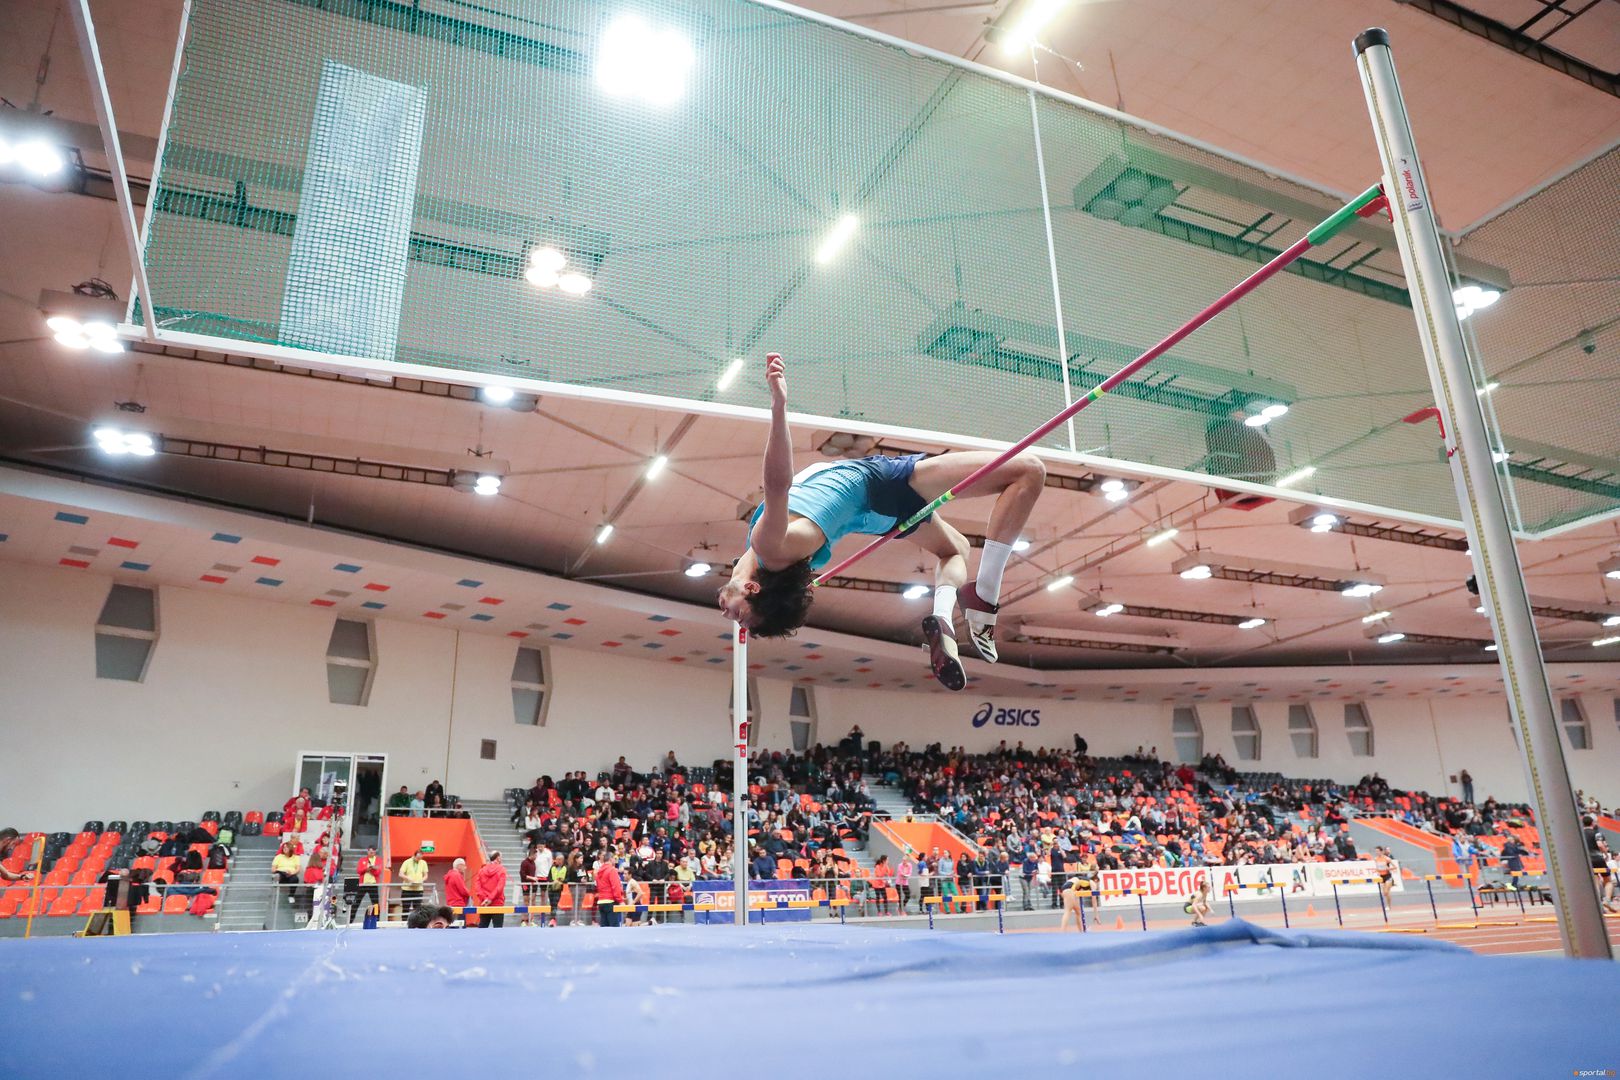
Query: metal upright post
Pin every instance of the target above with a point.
(739, 775)
(1479, 494)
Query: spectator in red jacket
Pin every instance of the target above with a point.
(609, 889)
(490, 885)
(295, 812)
(456, 895)
(369, 873)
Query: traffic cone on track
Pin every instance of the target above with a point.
(1310, 911)
(1119, 922)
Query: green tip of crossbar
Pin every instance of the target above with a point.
(1342, 216)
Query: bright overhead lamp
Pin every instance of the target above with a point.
(1251, 624)
(914, 592)
(1034, 18)
(1472, 298)
(1162, 537)
(1324, 522)
(605, 531)
(1360, 589)
(1491, 647)
(1304, 472)
(34, 156)
(1610, 568)
(497, 395)
(117, 442)
(1612, 620)
(1487, 388)
(94, 334)
(487, 485)
(729, 376)
(1108, 609)
(547, 259)
(573, 283)
(641, 61)
(1199, 572)
(1376, 616)
(1020, 544)
(842, 233)
(698, 569)
(656, 466)
(1114, 490)
(1266, 415)
(1606, 641)
(1391, 637)
(1060, 583)
(1499, 456)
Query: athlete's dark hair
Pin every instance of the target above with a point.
(783, 601)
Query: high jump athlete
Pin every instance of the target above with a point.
(792, 533)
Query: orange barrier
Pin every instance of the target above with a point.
(453, 838)
(923, 837)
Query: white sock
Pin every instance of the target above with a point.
(944, 602)
(991, 566)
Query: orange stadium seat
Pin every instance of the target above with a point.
(151, 906)
(215, 878)
(174, 905)
(92, 903)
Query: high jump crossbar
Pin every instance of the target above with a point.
(1366, 204)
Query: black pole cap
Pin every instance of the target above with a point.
(1368, 38)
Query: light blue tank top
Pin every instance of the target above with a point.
(833, 495)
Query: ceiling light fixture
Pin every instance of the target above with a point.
(1324, 522)
(1108, 609)
(1487, 388)
(1391, 637)
(915, 592)
(117, 442)
(1199, 572)
(35, 156)
(1251, 624)
(1020, 544)
(1376, 616)
(94, 334)
(487, 485)
(1491, 647)
(638, 60)
(497, 395)
(1034, 17)
(698, 569)
(729, 376)
(1499, 456)
(1472, 298)
(1304, 472)
(1606, 641)
(1612, 620)
(1610, 568)
(548, 267)
(604, 531)
(656, 466)
(1266, 415)
(1162, 537)
(1061, 583)
(842, 233)
(1360, 589)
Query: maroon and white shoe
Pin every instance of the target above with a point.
(981, 621)
(942, 655)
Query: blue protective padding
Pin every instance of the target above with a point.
(800, 1001)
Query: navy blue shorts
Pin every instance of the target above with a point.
(888, 487)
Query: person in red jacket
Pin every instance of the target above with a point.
(490, 885)
(369, 872)
(609, 889)
(295, 812)
(456, 895)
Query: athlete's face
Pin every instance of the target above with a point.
(733, 599)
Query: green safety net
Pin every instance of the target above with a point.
(1547, 352)
(696, 223)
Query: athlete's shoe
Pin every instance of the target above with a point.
(942, 656)
(981, 621)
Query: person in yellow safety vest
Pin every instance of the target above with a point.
(413, 872)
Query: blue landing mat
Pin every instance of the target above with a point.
(806, 1001)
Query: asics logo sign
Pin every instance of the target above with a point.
(989, 714)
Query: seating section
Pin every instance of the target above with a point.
(73, 882)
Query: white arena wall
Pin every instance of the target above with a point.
(237, 688)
